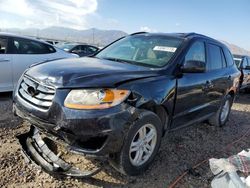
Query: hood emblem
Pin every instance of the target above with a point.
(32, 91)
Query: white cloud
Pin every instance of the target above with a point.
(44, 13)
(147, 29)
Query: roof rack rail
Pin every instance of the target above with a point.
(141, 32)
(190, 34)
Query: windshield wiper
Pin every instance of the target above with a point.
(116, 59)
(129, 61)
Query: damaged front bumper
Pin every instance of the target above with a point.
(36, 151)
(86, 133)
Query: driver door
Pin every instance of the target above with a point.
(191, 100)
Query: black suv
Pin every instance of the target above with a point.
(119, 103)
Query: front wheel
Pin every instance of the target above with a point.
(140, 146)
(221, 116)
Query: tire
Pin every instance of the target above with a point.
(125, 161)
(220, 118)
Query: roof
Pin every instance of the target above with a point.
(73, 43)
(180, 35)
(21, 36)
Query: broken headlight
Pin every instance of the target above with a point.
(95, 98)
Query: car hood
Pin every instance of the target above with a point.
(88, 72)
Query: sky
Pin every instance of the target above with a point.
(226, 20)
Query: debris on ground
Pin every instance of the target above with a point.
(226, 170)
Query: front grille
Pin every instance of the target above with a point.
(36, 93)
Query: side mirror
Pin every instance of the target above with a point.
(193, 66)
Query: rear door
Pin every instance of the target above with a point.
(218, 76)
(6, 83)
(27, 52)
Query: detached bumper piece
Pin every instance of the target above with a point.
(35, 151)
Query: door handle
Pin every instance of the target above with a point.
(229, 77)
(4, 60)
(208, 86)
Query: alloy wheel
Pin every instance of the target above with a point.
(143, 145)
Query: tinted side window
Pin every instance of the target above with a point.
(248, 59)
(3, 45)
(196, 52)
(91, 49)
(84, 49)
(25, 46)
(223, 59)
(215, 57)
(229, 57)
(77, 48)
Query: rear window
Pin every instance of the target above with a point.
(3, 45)
(223, 58)
(229, 57)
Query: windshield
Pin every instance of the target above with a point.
(65, 46)
(155, 51)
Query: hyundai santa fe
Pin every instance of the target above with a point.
(119, 103)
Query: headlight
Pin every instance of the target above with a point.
(95, 98)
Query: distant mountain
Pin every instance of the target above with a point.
(236, 49)
(90, 36)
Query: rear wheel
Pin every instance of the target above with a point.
(221, 116)
(140, 146)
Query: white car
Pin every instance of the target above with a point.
(18, 53)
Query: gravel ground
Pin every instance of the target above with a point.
(179, 151)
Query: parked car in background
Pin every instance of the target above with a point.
(79, 49)
(17, 53)
(243, 64)
(120, 102)
(237, 59)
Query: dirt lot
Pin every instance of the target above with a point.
(179, 151)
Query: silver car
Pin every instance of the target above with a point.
(18, 53)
